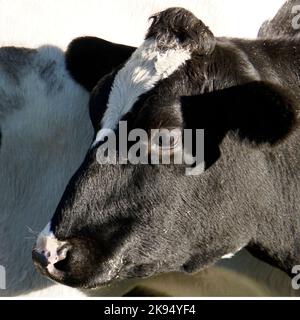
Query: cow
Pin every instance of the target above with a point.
(153, 219)
(45, 136)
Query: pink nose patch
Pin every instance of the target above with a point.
(49, 247)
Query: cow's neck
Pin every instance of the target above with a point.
(274, 194)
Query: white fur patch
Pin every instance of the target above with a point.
(48, 244)
(45, 235)
(230, 255)
(142, 71)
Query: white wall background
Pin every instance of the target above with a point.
(35, 22)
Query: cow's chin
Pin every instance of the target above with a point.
(81, 267)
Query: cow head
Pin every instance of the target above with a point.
(124, 220)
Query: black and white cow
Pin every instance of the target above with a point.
(151, 219)
(45, 129)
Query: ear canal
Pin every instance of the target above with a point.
(88, 59)
(178, 27)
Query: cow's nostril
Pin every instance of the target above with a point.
(51, 255)
(62, 264)
(40, 258)
(47, 254)
(62, 252)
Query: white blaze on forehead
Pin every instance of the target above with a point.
(142, 71)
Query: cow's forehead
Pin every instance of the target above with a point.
(147, 65)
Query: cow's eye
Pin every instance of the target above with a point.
(166, 139)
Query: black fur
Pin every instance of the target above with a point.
(88, 59)
(100, 98)
(128, 221)
(266, 115)
(170, 27)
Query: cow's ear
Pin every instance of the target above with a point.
(179, 27)
(88, 59)
(258, 112)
